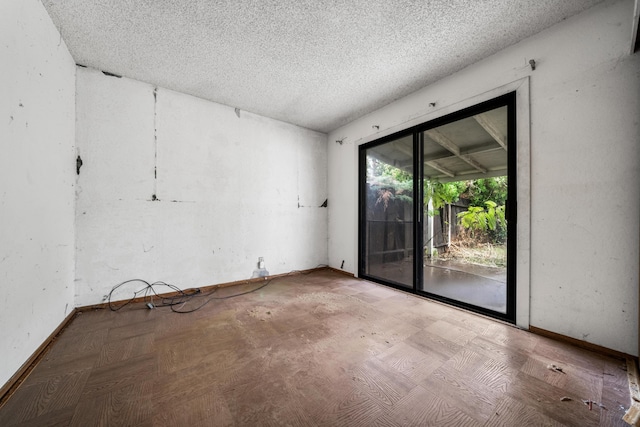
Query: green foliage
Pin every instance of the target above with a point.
(377, 170)
(486, 214)
(477, 191)
(487, 197)
(389, 182)
(404, 198)
(442, 194)
(490, 218)
(480, 190)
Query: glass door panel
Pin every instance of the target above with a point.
(387, 212)
(465, 189)
(437, 211)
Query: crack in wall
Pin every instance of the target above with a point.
(155, 144)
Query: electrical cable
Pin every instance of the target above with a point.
(149, 291)
(182, 297)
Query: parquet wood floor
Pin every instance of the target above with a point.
(314, 350)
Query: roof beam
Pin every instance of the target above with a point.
(492, 129)
(382, 158)
(406, 166)
(402, 148)
(441, 139)
(479, 150)
(469, 175)
(439, 168)
(473, 163)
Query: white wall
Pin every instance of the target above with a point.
(37, 176)
(584, 161)
(228, 189)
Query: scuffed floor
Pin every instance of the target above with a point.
(317, 349)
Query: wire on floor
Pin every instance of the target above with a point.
(180, 298)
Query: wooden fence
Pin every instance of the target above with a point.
(389, 226)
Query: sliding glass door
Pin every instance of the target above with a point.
(452, 204)
(387, 202)
(466, 183)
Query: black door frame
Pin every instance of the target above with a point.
(508, 100)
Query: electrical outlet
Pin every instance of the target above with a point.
(261, 271)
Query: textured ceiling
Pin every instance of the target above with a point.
(318, 64)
